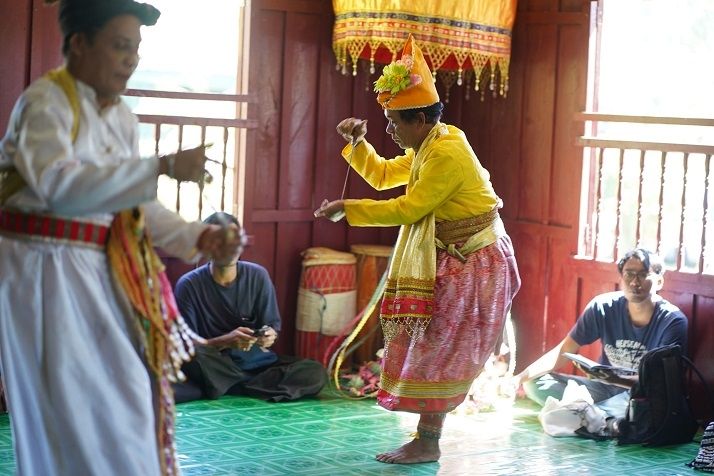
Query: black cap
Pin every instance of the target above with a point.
(76, 16)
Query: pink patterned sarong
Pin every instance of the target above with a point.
(433, 374)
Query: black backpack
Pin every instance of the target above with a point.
(658, 412)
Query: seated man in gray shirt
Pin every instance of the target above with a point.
(628, 323)
(232, 305)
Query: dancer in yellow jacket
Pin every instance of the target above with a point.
(453, 274)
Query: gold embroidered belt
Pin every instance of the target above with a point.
(51, 229)
(473, 233)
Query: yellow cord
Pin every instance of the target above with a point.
(368, 310)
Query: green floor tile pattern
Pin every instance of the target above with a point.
(333, 437)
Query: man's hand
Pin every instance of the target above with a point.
(520, 379)
(240, 338)
(185, 165)
(352, 129)
(220, 243)
(334, 211)
(516, 383)
(244, 339)
(268, 339)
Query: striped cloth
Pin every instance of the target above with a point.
(49, 228)
(705, 458)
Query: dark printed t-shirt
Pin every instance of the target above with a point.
(606, 318)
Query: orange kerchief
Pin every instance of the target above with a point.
(407, 83)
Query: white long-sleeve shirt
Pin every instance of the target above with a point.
(78, 390)
(97, 174)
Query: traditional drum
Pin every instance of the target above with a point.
(372, 262)
(327, 300)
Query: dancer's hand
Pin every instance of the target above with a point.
(352, 129)
(333, 211)
(221, 244)
(185, 165)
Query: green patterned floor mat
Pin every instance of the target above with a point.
(331, 436)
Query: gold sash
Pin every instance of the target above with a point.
(11, 181)
(408, 301)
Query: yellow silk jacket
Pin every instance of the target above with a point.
(451, 182)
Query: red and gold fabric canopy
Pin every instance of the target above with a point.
(463, 38)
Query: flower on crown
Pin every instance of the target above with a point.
(397, 76)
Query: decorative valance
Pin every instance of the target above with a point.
(463, 40)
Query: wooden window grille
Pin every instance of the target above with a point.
(656, 195)
(198, 100)
(228, 138)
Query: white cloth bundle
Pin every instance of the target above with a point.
(575, 410)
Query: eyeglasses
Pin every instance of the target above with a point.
(630, 275)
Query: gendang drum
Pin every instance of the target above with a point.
(327, 300)
(372, 261)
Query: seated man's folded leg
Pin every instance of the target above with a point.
(289, 378)
(553, 385)
(213, 371)
(187, 392)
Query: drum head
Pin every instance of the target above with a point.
(320, 255)
(372, 250)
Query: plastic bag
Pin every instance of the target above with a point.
(574, 411)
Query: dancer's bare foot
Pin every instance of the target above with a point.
(422, 450)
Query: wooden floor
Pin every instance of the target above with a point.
(332, 436)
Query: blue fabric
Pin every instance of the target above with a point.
(212, 310)
(606, 318)
(255, 358)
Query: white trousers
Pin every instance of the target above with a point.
(78, 392)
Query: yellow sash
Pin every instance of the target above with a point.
(11, 181)
(408, 301)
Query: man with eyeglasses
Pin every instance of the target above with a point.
(628, 323)
(232, 305)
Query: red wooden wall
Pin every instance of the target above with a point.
(296, 162)
(532, 156)
(526, 141)
(29, 36)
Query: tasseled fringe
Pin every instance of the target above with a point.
(182, 349)
(391, 327)
(168, 341)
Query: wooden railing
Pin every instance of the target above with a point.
(648, 193)
(227, 137)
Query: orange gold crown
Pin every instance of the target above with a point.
(406, 83)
